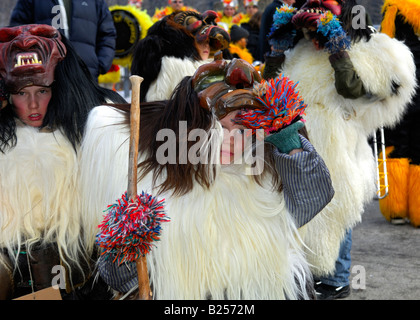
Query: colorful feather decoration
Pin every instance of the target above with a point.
(282, 102)
(282, 16)
(330, 27)
(130, 227)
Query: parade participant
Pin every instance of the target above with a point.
(174, 7)
(353, 82)
(47, 93)
(253, 27)
(251, 7)
(231, 234)
(172, 50)
(229, 15)
(403, 148)
(267, 22)
(238, 45)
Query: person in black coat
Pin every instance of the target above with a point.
(88, 25)
(253, 28)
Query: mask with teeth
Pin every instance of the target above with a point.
(29, 55)
(309, 14)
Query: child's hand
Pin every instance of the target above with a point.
(287, 139)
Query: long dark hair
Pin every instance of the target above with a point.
(164, 38)
(346, 18)
(74, 94)
(179, 177)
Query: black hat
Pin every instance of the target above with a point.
(237, 33)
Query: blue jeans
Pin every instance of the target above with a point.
(340, 277)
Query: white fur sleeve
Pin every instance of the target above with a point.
(103, 161)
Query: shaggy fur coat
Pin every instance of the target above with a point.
(39, 198)
(339, 129)
(236, 240)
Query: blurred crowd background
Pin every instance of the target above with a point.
(372, 6)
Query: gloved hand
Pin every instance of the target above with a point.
(287, 138)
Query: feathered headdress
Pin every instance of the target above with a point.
(250, 3)
(230, 3)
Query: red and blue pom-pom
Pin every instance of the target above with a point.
(282, 102)
(130, 227)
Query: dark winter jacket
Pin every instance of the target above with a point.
(91, 28)
(253, 44)
(266, 23)
(405, 136)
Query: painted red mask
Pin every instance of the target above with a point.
(29, 55)
(311, 11)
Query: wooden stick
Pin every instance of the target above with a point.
(145, 292)
(134, 136)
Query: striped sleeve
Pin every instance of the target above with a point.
(306, 182)
(121, 278)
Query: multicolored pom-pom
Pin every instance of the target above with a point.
(330, 27)
(130, 227)
(282, 102)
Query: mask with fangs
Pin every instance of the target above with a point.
(29, 55)
(311, 11)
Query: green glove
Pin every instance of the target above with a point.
(286, 139)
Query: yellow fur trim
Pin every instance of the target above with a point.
(145, 22)
(160, 13)
(388, 22)
(408, 9)
(110, 77)
(413, 195)
(395, 204)
(242, 53)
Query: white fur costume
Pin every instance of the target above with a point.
(173, 70)
(39, 198)
(235, 241)
(339, 129)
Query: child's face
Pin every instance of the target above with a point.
(233, 139)
(242, 43)
(229, 11)
(251, 10)
(204, 49)
(177, 4)
(31, 104)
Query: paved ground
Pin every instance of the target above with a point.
(385, 259)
